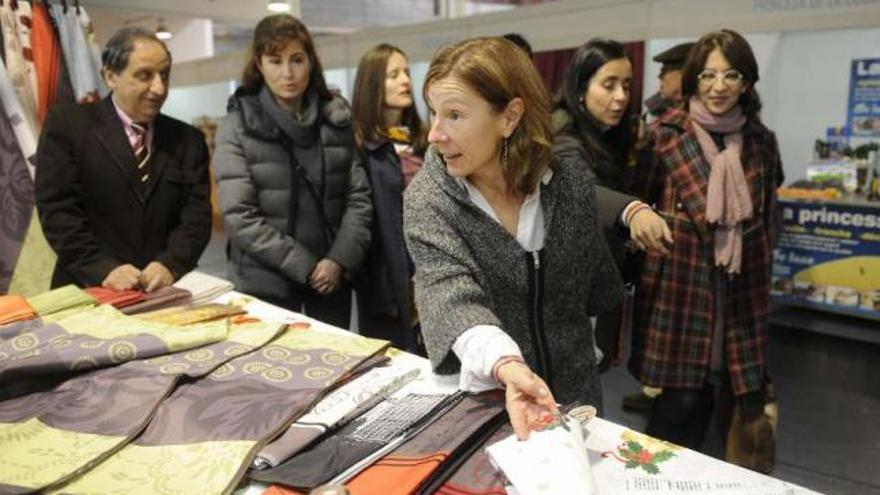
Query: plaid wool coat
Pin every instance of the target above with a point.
(675, 304)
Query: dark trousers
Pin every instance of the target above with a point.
(682, 415)
(333, 309)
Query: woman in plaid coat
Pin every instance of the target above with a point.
(700, 320)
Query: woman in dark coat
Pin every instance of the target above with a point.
(295, 200)
(593, 126)
(712, 171)
(393, 141)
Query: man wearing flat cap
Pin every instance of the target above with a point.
(669, 95)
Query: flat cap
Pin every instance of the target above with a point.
(673, 58)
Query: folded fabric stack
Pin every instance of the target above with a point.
(69, 297)
(115, 298)
(166, 297)
(336, 410)
(203, 287)
(15, 308)
(189, 315)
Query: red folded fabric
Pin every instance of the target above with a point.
(115, 298)
(15, 308)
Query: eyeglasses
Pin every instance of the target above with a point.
(729, 77)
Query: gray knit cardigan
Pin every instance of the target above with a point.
(471, 271)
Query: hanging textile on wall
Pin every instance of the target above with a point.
(79, 56)
(45, 59)
(36, 260)
(94, 52)
(203, 437)
(16, 188)
(46, 438)
(18, 66)
(38, 74)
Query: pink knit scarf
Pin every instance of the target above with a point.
(728, 202)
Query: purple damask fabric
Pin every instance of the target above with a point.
(16, 201)
(114, 404)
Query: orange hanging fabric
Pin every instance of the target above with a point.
(46, 52)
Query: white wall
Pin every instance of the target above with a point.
(188, 102)
(812, 88)
(193, 42)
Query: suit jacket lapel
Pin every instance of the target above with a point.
(111, 135)
(163, 151)
(689, 172)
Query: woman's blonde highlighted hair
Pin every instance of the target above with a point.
(500, 71)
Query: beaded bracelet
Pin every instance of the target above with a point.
(634, 210)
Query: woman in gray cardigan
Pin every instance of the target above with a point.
(295, 200)
(510, 260)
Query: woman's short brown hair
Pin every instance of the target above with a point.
(500, 71)
(272, 35)
(737, 52)
(368, 100)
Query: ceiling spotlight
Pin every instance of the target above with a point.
(162, 32)
(278, 6)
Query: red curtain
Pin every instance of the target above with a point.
(552, 64)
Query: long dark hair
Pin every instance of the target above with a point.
(368, 117)
(738, 53)
(272, 34)
(608, 150)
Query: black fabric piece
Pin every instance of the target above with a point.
(353, 442)
(462, 453)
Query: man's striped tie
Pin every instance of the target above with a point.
(141, 152)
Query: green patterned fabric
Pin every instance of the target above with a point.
(47, 438)
(94, 337)
(204, 436)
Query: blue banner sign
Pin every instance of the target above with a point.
(863, 111)
(828, 257)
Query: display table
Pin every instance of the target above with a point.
(127, 404)
(828, 256)
(608, 444)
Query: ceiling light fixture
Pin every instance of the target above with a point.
(162, 32)
(278, 6)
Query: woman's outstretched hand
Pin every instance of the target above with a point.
(528, 397)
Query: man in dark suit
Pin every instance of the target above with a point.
(122, 190)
